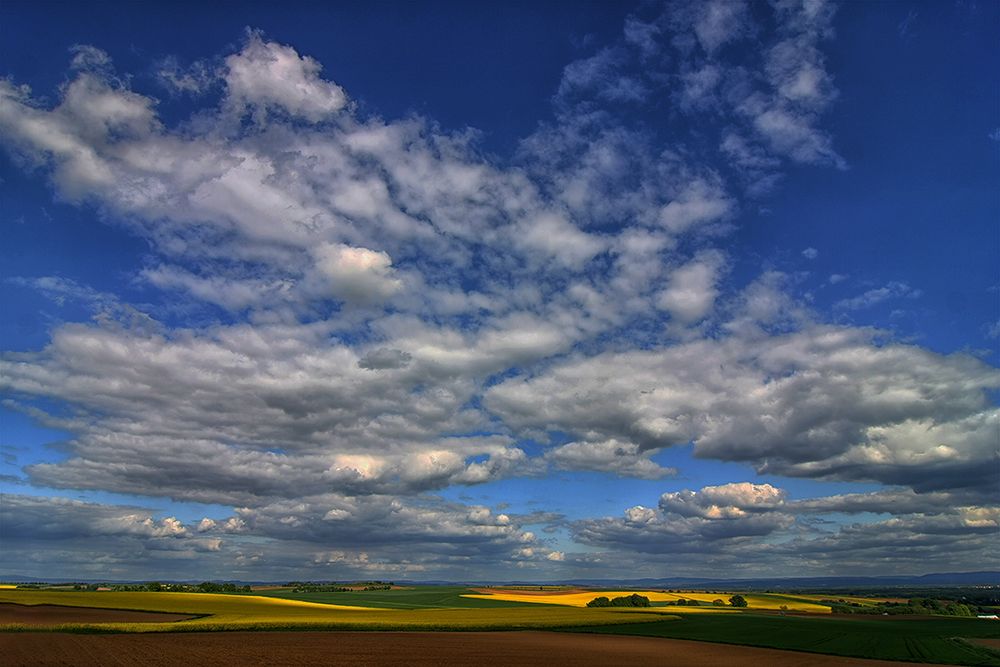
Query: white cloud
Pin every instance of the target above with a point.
(872, 297)
(356, 274)
(267, 76)
(192, 80)
(822, 402)
(790, 133)
(89, 57)
(625, 459)
(700, 202)
(810, 253)
(691, 289)
(728, 501)
(719, 22)
(556, 238)
(402, 308)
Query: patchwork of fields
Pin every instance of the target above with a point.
(807, 627)
(422, 597)
(581, 598)
(253, 612)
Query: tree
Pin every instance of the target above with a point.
(599, 602)
(738, 601)
(634, 600)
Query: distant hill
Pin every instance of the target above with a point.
(934, 579)
(990, 578)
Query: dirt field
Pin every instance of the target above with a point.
(50, 614)
(414, 649)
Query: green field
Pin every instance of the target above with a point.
(423, 597)
(217, 612)
(935, 640)
(916, 639)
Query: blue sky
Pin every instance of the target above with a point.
(439, 291)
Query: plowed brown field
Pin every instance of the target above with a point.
(413, 649)
(51, 614)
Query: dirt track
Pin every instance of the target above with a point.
(51, 614)
(413, 649)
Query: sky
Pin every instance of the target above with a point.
(531, 291)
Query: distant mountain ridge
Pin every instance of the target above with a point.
(988, 577)
(932, 579)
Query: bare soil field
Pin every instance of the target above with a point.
(50, 614)
(414, 649)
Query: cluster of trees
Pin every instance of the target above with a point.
(212, 587)
(634, 600)
(735, 601)
(157, 587)
(921, 606)
(314, 587)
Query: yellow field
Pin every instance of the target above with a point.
(773, 602)
(249, 612)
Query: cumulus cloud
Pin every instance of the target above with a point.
(729, 501)
(356, 274)
(750, 529)
(267, 76)
(650, 531)
(374, 535)
(691, 289)
(622, 458)
(385, 311)
(80, 536)
(698, 203)
(823, 402)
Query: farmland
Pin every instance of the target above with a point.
(251, 612)
(927, 639)
(581, 598)
(771, 621)
(422, 597)
(410, 649)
